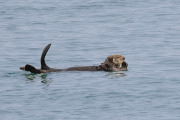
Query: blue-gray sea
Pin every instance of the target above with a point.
(82, 33)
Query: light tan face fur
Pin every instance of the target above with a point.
(116, 59)
(115, 63)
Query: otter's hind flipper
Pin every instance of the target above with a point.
(43, 63)
(30, 68)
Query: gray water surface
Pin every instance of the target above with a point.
(84, 33)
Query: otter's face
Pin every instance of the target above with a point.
(117, 62)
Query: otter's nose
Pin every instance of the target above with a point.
(124, 64)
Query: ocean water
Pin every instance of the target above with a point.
(146, 32)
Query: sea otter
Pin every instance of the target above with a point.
(112, 63)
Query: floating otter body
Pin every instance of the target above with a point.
(112, 63)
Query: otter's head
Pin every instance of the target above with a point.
(115, 63)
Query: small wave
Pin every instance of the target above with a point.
(113, 75)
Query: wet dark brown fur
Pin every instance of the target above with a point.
(112, 63)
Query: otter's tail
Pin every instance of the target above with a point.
(43, 63)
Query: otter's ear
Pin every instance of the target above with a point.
(111, 60)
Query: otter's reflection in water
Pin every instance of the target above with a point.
(42, 76)
(112, 75)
